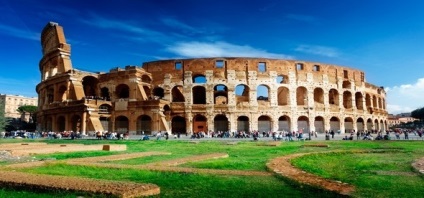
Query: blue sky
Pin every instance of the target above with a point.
(383, 38)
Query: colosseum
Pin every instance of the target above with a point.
(203, 94)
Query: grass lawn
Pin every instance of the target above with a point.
(384, 172)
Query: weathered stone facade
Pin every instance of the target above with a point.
(204, 94)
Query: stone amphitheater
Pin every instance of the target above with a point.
(203, 94)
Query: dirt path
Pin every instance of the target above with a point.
(419, 165)
(283, 167)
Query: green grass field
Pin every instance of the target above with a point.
(384, 171)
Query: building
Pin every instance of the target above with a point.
(13, 102)
(204, 94)
(402, 118)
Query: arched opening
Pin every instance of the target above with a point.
(319, 97)
(346, 84)
(122, 91)
(262, 93)
(243, 124)
(335, 124)
(144, 124)
(220, 94)
(264, 124)
(76, 123)
(199, 95)
(369, 124)
(104, 93)
(199, 79)
(283, 96)
(359, 99)
(61, 123)
(384, 103)
(348, 121)
(360, 124)
(284, 123)
(374, 102)
(347, 100)
(121, 124)
(242, 94)
(301, 96)
(104, 121)
(319, 124)
(62, 93)
(89, 84)
(178, 125)
(50, 95)
(333, 97)
(148, 91)
(159, 92)
(105, 109)
(376, 125)
(146, 79)
(282, 79)
(200, 124)
(368, 102)
(177, 94)
(303, 124)
(380, 104)
(220, 123)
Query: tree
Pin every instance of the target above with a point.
(418, 113)
(31, 109)
(2, 118)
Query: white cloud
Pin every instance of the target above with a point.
(405, 98)
(220, 49)
(318, 50)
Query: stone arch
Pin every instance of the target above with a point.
(104, 93)
(264, 123)
(178, 125)
(177, 94)
(243, 124)
(242, 92)
(61, 123)
(319, 124)
(76, 123)
(283, 96)
(334, 124)
(199, 78)
(146, 79)
(104, 121)
(262, 92)
(220, 123)
(374, 102)
(147, 90)
(319, 96)
(369, 124)
(347, 100)
(301, 95)
(380, 103)
(105, 109)
(376, 125)
(220, 94)
(121, 124)
(62, 92)
(144, 124)
(359, 101)
(50, 95)
(200, 123)
(122, 91)
(303, 124)
(333, 97)
(159, 92)
(360, 124)
(384, 103)
(284, 123)
(90, 84)
(348, 122)
(199, 95)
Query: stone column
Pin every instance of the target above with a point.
(84, 123)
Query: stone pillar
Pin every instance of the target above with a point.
(293, 124)
(84, 122)
(342, 126)
(327, 124)
(189, 123)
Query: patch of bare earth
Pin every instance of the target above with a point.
(419, 165)
(36, 182)
(283, 167)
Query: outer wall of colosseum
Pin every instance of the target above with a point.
(204, 94)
